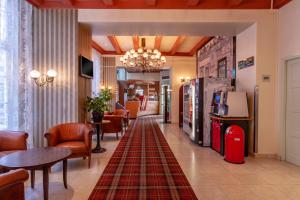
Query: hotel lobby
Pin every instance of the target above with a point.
(149, 99)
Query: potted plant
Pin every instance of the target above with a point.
(99, 104)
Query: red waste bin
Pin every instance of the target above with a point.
(234, 144)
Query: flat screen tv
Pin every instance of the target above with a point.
(86, 67)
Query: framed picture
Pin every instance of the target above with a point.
(222, 68)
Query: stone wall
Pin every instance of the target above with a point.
(218, 49)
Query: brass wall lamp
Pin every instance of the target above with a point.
(43, 79)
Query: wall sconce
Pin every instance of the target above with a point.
(43, 79)
(182, 79)
(103, 88)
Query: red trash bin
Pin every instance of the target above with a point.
(234, 144)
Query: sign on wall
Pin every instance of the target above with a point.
(246, 63)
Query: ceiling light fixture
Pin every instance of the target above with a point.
(143, 60)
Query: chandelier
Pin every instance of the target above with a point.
(144, 60)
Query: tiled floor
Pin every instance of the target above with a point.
(210, 176)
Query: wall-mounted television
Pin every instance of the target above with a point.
(86, 67)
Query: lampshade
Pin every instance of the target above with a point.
(35, 74)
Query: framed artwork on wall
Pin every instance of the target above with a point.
(222, 68)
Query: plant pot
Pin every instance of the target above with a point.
(97, 116)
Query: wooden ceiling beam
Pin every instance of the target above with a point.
(193, 2)
(135, 40)
(98, 48)
(280, 3)
(113, 40)
(36, 3)
(151, 2)
(203, 41)
(235, 2)
(108, 2)
(68, 2)
(157, 43)
(177, 44)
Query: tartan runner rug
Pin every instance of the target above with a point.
(143, 167)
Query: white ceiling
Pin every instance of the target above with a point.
(167, 42)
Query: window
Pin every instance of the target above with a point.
(3, 64)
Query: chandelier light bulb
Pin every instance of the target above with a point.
(135, 55)
(145, 55)
(131, 63)
(163, 59)
(122, 59)
(132, 51)
(35, 74)
(152, 56)
(51, 73)
(127, 53)
(155, 51)
(140, 50)
(157, 56)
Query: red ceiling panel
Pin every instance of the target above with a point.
(159, 4)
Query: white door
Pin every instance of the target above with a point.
(293, 112)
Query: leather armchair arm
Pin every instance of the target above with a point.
(13, 140)
(52, 136)
(13, 177)
(88, 132)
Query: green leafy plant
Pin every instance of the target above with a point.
(99, 103)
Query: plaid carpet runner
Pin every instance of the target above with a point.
(143, 167)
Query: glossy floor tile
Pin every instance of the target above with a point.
(210, 176)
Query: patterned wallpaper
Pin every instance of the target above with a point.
(219, 51)
(54, 47)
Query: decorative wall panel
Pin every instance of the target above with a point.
(55, 47)
(84, 84)
(109, 76)
(218, 52)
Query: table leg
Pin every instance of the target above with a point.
(65, 166)
(32, 177)
(98, 148)
(45, 182)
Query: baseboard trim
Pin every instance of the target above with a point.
(266, 155)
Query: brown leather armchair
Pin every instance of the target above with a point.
(116, 125)
(125, 114)
(11, 141)
(12, 185)
(76, 136)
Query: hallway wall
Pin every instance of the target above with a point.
(246, 45)
(288, 48)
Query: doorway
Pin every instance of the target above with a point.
(292, 135)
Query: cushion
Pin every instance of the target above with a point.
(76, 146)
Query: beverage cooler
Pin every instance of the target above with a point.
(197, 98)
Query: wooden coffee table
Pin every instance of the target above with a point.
(38, 159)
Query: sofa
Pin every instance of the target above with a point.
(76, 136)
(12, 184)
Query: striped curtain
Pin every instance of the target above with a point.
(109, 77)
(55, 47)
